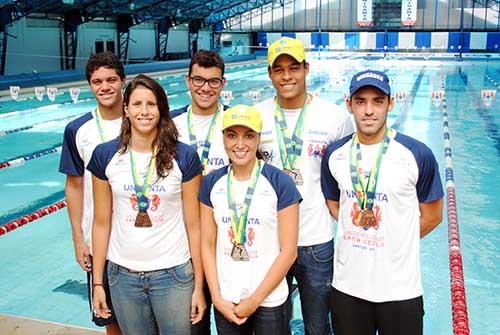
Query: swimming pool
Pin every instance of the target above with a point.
(40, 279)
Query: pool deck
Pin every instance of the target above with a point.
(14, 325)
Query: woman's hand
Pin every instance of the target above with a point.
(99, 303)
(198, 306)
(245, 308)
(226, 308)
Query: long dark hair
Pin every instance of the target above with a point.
(167, 134)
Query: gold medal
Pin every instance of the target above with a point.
(142, 220)
(239, 252)
(296, 176)
(366, 218)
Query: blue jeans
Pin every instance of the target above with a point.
(264, 321)
(313, 271)
(151, 300)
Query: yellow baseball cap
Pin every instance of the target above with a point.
(242, 115)
(286, 46)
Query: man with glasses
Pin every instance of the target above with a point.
(199, 125)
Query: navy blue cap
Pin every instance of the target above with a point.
(370, 78)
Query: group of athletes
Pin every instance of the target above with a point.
(175, 211)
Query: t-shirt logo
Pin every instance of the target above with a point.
(250, 235)
(316, 150)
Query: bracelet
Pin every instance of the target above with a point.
(97, 284)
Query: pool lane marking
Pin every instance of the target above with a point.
(460, 317)
(41, 108)
(36, 125)
(20, 160)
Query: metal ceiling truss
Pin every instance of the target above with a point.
(245, 6)
(256, 12)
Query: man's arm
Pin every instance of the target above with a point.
(431, 215)
(74, 199)
(333, 207)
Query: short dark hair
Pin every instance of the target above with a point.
(205, 58)
(105, 59)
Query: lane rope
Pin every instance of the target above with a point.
(14, 224)
(460, 316)
(20, 160)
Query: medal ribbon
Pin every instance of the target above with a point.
(365, 189)
(142, 189)
(239, 223)
(290, 148)
(100, 126)
(208, 139)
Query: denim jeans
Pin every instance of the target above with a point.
(313, 271)
(151, 300)
(264, 321)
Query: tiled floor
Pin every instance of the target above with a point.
(13, 325)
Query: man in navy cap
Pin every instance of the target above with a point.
(384, 189)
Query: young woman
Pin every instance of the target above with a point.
(249, 214)
(146, 219)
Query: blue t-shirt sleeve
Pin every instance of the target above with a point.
(429, 186)
(208, 184)
(286, 191)
(176, 112)
(97, 164)
(205, 189)
(329, 185)
(71, 163)
(101, 157)
(189, 162)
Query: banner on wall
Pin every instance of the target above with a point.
(51, 93)
(437, 98)
(75, 93)
(39, 92)
(255, 95)
(401, 96)
(226, 96)
(488, 97)
(365, 13)
(14, 92)
(409, 12)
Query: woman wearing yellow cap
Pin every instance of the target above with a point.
(249, 214)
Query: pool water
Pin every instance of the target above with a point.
(40, 279)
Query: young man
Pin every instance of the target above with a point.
(297, 128)
(106, 76)
(200, 125)
(385, 191)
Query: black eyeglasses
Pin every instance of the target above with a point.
(212, 82)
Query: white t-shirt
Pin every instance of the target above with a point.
(274, 191)
(217, 156)
(381, 263)
(324, 123)
(81, 136)
(165, 244)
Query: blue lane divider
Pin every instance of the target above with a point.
(20, 160)
(31, 207)
(35, 125)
